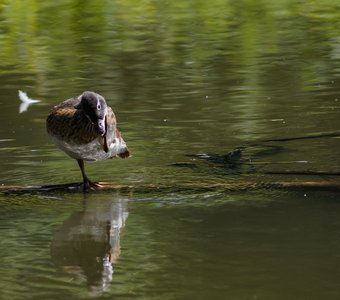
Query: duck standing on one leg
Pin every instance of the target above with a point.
(84, 127)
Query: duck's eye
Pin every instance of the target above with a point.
(99, 107)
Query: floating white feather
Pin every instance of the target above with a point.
(25, 101)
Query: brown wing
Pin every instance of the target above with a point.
(70, 124)
(110, 129)
(112, 133)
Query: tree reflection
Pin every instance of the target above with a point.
(87, 244)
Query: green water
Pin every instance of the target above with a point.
(184, 78)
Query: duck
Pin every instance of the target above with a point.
(85, 128)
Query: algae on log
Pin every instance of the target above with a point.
(184, 187)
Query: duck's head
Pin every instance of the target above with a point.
(95, 108)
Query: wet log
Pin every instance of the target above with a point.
(308, 173)
(171, 188)
(335, 134)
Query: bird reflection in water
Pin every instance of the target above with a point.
(87, 244)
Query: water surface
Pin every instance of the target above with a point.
(184, 78)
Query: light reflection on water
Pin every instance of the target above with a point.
(87, 244)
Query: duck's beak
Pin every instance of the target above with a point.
(101, 126)
(105, 141)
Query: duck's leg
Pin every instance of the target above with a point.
(87, 183)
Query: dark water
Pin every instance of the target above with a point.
(184, 77)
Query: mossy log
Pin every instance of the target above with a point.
(183, 187)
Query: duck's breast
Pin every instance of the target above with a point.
(92, 151)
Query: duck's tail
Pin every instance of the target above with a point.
(125, 154)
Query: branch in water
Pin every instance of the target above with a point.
(185, 187)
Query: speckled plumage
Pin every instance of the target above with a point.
(66, 123)
(74, 129)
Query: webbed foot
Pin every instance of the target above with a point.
(88, 185)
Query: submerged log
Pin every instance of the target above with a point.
(308, 173)
(171, 188)
(335, 134)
